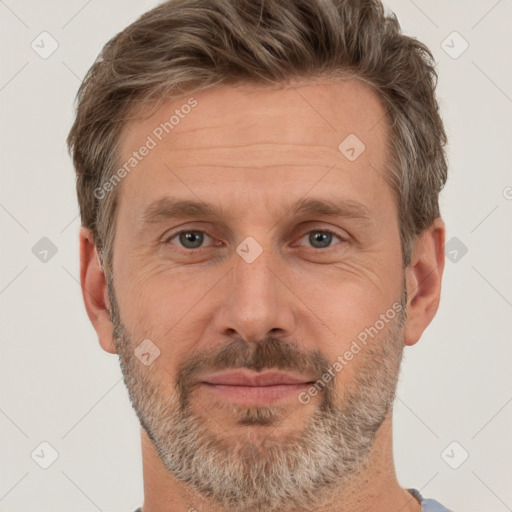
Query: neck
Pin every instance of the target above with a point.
(377, 488)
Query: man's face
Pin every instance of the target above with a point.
(255, 285)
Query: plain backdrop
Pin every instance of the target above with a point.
(454, 399)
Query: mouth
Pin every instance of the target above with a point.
(253, 389)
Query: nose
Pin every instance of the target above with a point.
(256, 301)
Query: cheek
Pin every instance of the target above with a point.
(156, 310)
(350, 300)
(166, 307)
(351, 292)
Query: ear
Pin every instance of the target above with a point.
(423, 280)
(94, 291)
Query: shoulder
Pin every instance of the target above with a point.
(428, 504)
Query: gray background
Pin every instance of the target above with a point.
(59, 387)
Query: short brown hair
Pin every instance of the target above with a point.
(183, 46)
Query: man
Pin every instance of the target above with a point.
(258, 184)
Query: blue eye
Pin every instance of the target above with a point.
(322, 237)
(189, 239)
(194, 239)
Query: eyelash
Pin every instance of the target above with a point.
(168, 239)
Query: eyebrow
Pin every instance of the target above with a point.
(168, 208)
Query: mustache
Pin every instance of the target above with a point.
(270, 353)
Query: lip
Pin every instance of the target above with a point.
(245, 378)
(254, 389)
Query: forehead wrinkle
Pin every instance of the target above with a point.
(258, 149)
(259, 156)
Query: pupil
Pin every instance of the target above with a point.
(323, 238)
(192, 238)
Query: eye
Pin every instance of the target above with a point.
(321, 238)
(194, 239)
(189, 239)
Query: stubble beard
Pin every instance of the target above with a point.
(264, 471)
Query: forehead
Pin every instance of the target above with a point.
(250, 112)
(236, 136)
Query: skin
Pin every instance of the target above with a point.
(253, 151)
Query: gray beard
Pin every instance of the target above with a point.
(265, 471)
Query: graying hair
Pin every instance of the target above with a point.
(182, 46)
